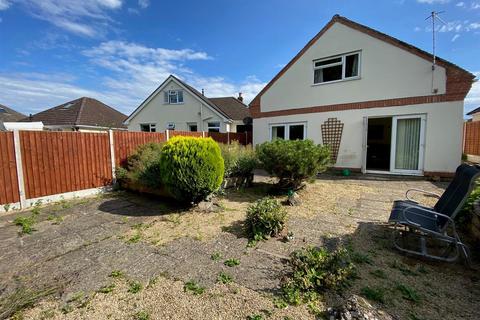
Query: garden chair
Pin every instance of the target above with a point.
(436, 224)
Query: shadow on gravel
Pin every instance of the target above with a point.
(136, 205)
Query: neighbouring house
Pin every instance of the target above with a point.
(175, 105)
(8, 115)
(381, 104)
(475, 113)
(83, 114)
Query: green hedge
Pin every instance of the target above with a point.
(293, 161)
(191, 168)
(240, 161)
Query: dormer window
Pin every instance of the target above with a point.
(173, 97)
(343, 67)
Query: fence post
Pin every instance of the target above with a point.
(203, 134)
(19, 167)
(228, 137)
(112, 155)
(167, 135)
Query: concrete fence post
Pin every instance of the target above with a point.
(203, 134)
(112, 155)
(19, 167)
(228, 137)
(167, 135)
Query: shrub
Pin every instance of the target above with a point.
(143, 166)
(316, 270)
(265, 218)
(465, 213)
(239, 160)
(191, 168)
(293, 161)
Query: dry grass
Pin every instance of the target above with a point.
(166, 299)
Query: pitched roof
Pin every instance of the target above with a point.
(372, 32)
(81, 112)
(232, 107)
(9, 115)
(476, 110)
(223, 105)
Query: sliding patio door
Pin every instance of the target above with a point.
(408, 136)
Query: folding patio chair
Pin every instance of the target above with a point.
(423, 223)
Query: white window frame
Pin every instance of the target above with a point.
(214, 127)
(342, 63)
(287, 126)
(171, 93)
(150, 127)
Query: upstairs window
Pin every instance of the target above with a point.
(148, 127)
(173, 97)
(338, 68)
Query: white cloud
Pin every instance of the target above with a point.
(144, 3)
(4, 4)
(475, 5)
(433, 1)
(461, 4)
(134, 71)
(87, 17)
(455, 37)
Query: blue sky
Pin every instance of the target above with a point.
(119, 51)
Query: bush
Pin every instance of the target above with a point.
(316, 270)
(265, 218)
(143, 166)
(192, 168)
(239, 160)
(465, 213)
(293, 161)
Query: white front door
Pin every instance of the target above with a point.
(408, 144)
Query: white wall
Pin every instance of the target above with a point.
(386, 72)
(161, 114)
(443, 141)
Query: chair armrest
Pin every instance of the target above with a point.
(433, 215)
(420, 191)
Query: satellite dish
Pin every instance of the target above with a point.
(247, 120)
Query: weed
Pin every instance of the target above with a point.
(47, 314)
(224, 278)
(134, 287)
(216, 256)
(255, 317)
(413, 316)
(360, 258)
(315, 270)
(422, 269)
(408, 293)
(125, 220)
(379, 274)
(174, 218)
(65, 204)
(193, 287)
(56, 219)
(142, 315)
(6, 207)
(374, 294)
(107, 289)
(76, 297)
(403, 268)
(135, 238)
(67, 308)
(116, 274)
(280, 303)
(22, 298)
(26, 223)
(232, 262)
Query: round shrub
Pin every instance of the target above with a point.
(265, 218)
(293, 161)
(192, 168)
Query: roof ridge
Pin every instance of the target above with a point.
(79, 114)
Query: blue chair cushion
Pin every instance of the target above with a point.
(415, 214)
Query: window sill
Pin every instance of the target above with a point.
(336, 81)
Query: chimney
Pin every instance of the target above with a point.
(30, 117)
(240, 98)
(203, 92)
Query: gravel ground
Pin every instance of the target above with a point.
(61, 266)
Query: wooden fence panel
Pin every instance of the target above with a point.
(126, 142)
(8, 170)
(59, 162)
(472, 138)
